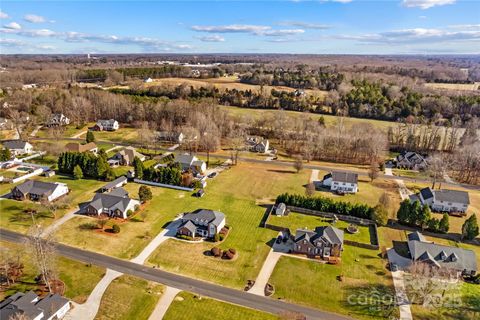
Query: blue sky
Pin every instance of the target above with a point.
(318, 27)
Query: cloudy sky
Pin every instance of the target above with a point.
(320, 26)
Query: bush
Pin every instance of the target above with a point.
(221, 236)
(232, 250)
(184, 237)
(116, 228)
(228, 254)
(129, 213)
(144, 193)
(216, 237)
(216, 251)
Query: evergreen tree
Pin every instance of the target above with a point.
(424, 215)
(444, 223)
(380, 215)
(144, 193)
(5, 154)
(470, 228)
(403, 211)
(77, 172)
(138, 167)
(90, 136)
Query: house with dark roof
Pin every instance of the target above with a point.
(30, 306)
(324, 242)
(170, 136)
(115, 204)
(56, 120)
(77, 147)
(454, 201)
(18, 147)
(459, 260)
(38, 190)
(126, 156)
(117, 183)
(411, 160)
(342, 182)
(106, 125)
(258, 144)
(201, 223)
(190, 162)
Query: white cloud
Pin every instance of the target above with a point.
(212, 38)
(426, 4)
(33, 18)
(283, 32)
(13, 25)
(11, 42)
(305, 25)
(233, 28)
(3, 15)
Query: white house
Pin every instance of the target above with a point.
(344, 182)
(411, 160)
(106, 125)
(258, 144)
(201, 222)
(445, 200)
(37, 190)
(30, 306)
(188, 161)
(148, 80)
(57, 119)
(175, 137)
(18, 147)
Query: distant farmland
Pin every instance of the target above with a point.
(454, 86)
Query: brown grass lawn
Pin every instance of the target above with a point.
(455, 222)
(188, 306)
(79, 278)
(128, 297)
(454, 86)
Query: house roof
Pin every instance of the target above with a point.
(189, 226)
(280, 209)
(129, 153)
(115, 183)
(29, 305)
(331, 234)
(345, 177)
(15, 144)
(119, 192)
(51, 304)
(452, 196)
(204, 216)
(443, 256)
(77, 147)
(38, 187)
(186, 159)
(109, 200)
(426, 193)
(416, 236)
(106, 122)
(327, 176)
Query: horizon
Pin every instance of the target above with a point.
(397, 27)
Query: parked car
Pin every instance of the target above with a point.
(212, 175)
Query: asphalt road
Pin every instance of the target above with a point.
(181, 282)
(284, 164)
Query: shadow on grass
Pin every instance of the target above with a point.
(376, 301)
(281, 171)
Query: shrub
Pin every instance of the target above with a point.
(184, 237)
(228, 255)
(216, 251)
(129, 213)
(116, 228)
(232, 250)
(216, 237)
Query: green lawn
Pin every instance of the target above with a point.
(296, 221)
(68, 131)
(79, 278)
(315, 284)
(189, 306)
(13, 214)
(129, 298)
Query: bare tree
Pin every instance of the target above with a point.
(310, 189)
(298, 164)
(373, 171)
(42, 252)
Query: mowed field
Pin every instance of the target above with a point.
(454, 86)
(227, 83)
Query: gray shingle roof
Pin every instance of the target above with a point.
(416, 236)
(452, 196)
(186, 159)
(108, 200)
(456, 258)
(15, 144)
(114, 183)
(347, 177)
(329, 233)
(189, 226)
(204, 216)
(426, 193)
(29, 305)
(37, 187)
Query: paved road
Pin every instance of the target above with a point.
(181, 282)
(285, 164)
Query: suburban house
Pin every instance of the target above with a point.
(444, 200)
(30, 306)
(126, 156)
(57, 119)
(461, 261)
(77, 147)
(37, 190)
(115, 204)
(201, 222)
(410, 160)
(175, 137)
(188, 161)
(117, 183)
(106, 125)
(18, 147)
(258, 144)
(343, 182)
(323, 242)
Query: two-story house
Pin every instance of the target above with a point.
(445, 200)
(342, 182)
(324, 242)
(201, 223)
(106, 125)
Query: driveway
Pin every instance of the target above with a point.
(402, 189)
(164, 303)
(314, 175)
(399, 284)
(54, 226)
(267, 269)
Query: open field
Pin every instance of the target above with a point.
(296, 221)
(79, 278)
(227, 83)
(189, 306)
(13, 214)
(128, 297)
(316, 284)
(454, 86)
(66, 131)
(455, 222)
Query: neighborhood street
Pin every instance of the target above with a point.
(181, 282)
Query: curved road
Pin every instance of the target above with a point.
(181, 282)
(279, 163)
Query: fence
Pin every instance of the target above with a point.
(363, 222)
(33, 156)
(35, 172)
(156, 184)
